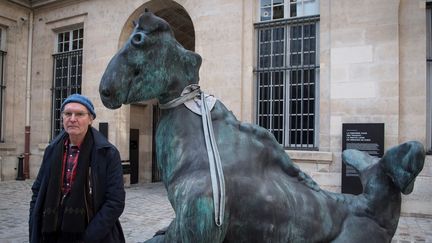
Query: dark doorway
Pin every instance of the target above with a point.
(134, 155)
(181, 24)
(103, 128)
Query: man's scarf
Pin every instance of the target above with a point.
(72, 215)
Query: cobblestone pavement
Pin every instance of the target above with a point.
(147, 210)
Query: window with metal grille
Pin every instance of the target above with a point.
(67, 72)
(429, 74)
(2, 80)
(287, 72)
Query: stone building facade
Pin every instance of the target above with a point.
(368, 64)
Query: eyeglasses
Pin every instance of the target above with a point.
(78, 115)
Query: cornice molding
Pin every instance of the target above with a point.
(33, 3)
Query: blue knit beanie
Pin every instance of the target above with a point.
(77, 98)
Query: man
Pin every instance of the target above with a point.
(78, 195)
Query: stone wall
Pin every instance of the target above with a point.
(419, 201)
(372, 69)
(15, 21)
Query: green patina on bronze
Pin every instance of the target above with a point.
(151, 65)
(268, 198)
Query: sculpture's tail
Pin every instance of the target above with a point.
(383, 180)
(401, 163)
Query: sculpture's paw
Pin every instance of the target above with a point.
(156, 239)
(161, 232)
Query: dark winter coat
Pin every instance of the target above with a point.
(107, 192)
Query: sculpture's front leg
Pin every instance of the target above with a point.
(194, 222)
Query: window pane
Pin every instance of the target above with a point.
(295, 46)
(295, 76)
(277, 61)
(311, 138)
(265, 14)
(278, 12)
(266, 35)
(265, 3)
(75, 45)
(75, 35)
(310, 7)
(265, 49)
(279, 79)
(293, 9)
(65, 47)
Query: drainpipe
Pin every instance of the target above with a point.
(28, 99)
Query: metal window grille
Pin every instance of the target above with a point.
(287, 80)
(67, 72)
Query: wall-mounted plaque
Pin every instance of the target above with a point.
(367, 137)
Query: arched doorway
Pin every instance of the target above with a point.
(170, 11)
(144, 116)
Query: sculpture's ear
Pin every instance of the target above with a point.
(193, 58)
(403, 163)
(191, 61)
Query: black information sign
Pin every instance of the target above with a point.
(367, 137)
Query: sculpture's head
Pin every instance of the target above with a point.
(403, 163)
(151, 64)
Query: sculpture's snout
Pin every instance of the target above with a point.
(106, 97)
(105, 93)
(110, 87)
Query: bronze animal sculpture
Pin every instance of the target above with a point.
(268, 198)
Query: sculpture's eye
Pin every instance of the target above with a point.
(138, 39)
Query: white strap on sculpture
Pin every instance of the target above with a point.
(195, 104)
(189, 93)
(216, 171)
(192, 97)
